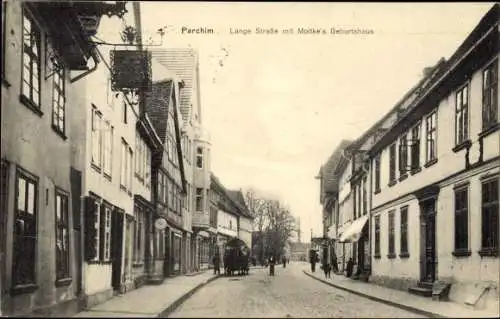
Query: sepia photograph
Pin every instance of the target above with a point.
(249, 159)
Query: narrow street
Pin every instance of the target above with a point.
(289, 294)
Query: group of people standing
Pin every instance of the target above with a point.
(329, 265)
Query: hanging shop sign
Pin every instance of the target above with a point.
(131, 70)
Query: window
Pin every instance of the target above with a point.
(124, 112)
(62, 235)
(59, 98)
(147, 173)
(415, 147)
(489, 214)
(365, 205)
(461, 220)
(199, 157)
(199, 199)
(139, 244)
(403, 154)
(4, 25)
(108, 149)
(105, 233)
(97, 238)
(138, 155)
(430, 135)
(126, 167)
(160, 244)
(96, 138)
(392, 164)
(31, 62)
(377, 173)
(392, 251)
(377, 237)
(403, 244)
(161, 187)
(490, 95)
(462, 116)
(25, 230)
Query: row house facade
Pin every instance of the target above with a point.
(169, 180)
(353, 172)
(435, 203)
(232, 219)
(195, 144)
(425, 179)
(328, 199)
(44, 65)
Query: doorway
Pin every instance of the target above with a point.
(428, 273)
(116, 248)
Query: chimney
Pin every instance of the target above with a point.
(427, 71)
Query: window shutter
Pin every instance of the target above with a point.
(89, 231)
(415, 154)
(102, 232)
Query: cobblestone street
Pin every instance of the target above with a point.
(289, 294)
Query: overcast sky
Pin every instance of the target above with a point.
(279, 104)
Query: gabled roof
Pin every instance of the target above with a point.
(327, 171)
(156, 105)
(183, 62)
(235, 197)
(486, 31)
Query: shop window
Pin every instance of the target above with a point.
(62, 235)
(25, 230)
(377, 237)
(391, 238)
(403, 245)
(489, 216)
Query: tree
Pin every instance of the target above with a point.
(273, 224)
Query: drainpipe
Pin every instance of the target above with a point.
(95, 58)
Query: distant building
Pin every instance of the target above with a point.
(299, 251)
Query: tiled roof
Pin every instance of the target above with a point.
(156, 104)
(327, 172)
(237, 198)
(182, 61)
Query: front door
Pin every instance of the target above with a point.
(116, 248)
(429, 216)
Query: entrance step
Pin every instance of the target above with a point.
(422, 289)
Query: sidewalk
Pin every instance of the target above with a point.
(152, 301)
(404, 300)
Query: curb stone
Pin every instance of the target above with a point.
(381, 300)
(173, 306)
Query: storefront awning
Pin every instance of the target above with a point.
(353, 232)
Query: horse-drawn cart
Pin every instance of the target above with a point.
(236, 258)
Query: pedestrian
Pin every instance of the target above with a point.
(312, 260)
(350, 266)
(283, 260)
(272, 262)
(327, 268)
(216, 263)
(335, 267)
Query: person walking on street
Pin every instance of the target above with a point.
(216, 263)
(350, 266)
(272, 262)
(313, 260)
